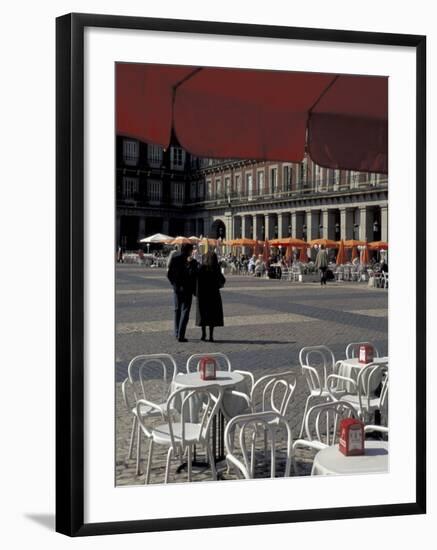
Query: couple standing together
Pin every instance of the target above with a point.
(204, 280)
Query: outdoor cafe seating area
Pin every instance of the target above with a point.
(205, 416)
(287, 258)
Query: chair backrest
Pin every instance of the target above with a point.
(371, 378)
(322, 422)
(244, 429)
(353, 349)
(317, 363)
(196, 405)
(222, 361)
(273, 392)
(151, 376)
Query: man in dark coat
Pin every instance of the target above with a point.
(182, 275)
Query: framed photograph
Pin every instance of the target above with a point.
(232, 347)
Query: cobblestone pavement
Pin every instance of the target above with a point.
(267, 323)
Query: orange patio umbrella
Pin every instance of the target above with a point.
(287, 241)
(341, 254)
(243, 242)
(326, 242)
(378, 245)
(352, 242)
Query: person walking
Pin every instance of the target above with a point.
(182, 275)
(209, 302)
(322, 263)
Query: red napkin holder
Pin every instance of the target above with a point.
(365, 353)
(208, 368)
(351, 437)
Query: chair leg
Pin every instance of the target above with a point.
(190, 465)
(304, 416)
(132, 435)
(149, 462)
(212, 462)
(138, 449)
(167, 467)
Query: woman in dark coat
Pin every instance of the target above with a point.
(209, 303)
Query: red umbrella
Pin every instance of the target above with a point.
(289, 255)
(268, 113)
(303, 256)
(266, 251)
(364, 256)
(341, 255)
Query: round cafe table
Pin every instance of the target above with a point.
(231, 405)
(331, 461)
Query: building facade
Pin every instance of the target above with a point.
(173, 192)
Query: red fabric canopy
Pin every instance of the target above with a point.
(254, 114)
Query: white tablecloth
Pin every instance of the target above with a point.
(331, 461)
(231, 405)
(351, 367)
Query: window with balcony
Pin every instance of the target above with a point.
(286, 177)
(154, 190)
(193, 190)
(249, 185)
(131, 152)
(218, 188)
(228, 187)
(260, 182)
(178, 192)
(273, 180)
(130, 188)
(154, 155)
(238, 186)
(208, 190)
(177, 158)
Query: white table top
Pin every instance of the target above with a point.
(224, 378)
(354, 362)
(231, 404)
(331, 461)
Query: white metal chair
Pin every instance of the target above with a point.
(182, 432)
(317, 362)
(247, 427)
(149, 377)
(353, 349)
(322, 423)
(222, 361)
(273, 393)
(384, 281)
(368, 392)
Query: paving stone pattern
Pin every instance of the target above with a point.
(267, 322)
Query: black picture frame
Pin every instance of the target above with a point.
(70, 272)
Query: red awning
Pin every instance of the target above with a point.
(254, 114)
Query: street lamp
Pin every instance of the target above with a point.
(276, 231)
(356, 226)
(304, 232)
(262, 233)
(337, 230)
(289, 230)
(320, 230)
